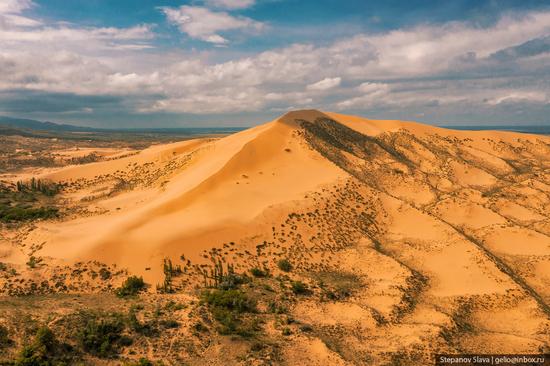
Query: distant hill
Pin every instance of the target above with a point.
(41, 126)
(10, 125)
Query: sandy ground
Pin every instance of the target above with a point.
(448, 231)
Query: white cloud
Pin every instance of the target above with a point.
(368, 87)
(204, 24)
(373, 93)
(426, 50)
(416, 67)
(10, 14)
(68, 34)
(230, 4)
(207, 103)
(325, 84)
(14, 6)
(519, 97)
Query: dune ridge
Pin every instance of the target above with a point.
(447, 232)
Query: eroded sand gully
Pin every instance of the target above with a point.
(448, 232)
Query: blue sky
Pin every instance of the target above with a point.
(130, 63)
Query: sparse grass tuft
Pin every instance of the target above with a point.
(338, 285)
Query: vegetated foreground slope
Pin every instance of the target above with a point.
(406, 239)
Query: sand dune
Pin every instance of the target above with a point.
(447, 231)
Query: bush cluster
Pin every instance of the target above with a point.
(44, 350)
(258, 272)
(23, 213)
(131, 287)
(227, 306)
(284, 265)
(299, 288)
(102, 334)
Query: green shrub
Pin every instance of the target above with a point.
(147, 328)
(199, 327)
(131, 287)
(105, 274)
(284, 265)
(267, 287)
(231, 281)
(33, 261)
(226, 307)
(234, 300)
(169, 323)
(44, 336)
(37, 185)
(144, 362)
(13, 214)
(141, 362)
(42, 351)
(102, 334)
(299, 288)
(257, 272)
(174, 306)
(228, 320)
(4, 337)
(274, 308)
(306, 328)
(287, 331)
(257, 346)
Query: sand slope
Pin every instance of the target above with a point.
(447, 231)
(226, 185)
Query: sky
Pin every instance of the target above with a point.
(177, 63)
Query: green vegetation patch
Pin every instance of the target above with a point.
(300, 288)
(227, 307)
(22, 203)
(5, 340)
(258, 272)
(23, 213)
(45, 350)
(132, 286)
(234, 300)
(102, 333)
(284, 265)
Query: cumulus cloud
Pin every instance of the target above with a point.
(451, 67)
(325, 84)
(204, 24)
(10, 14)
(14, 6)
